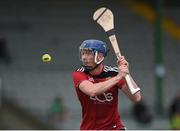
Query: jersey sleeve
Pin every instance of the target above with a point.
(78, 77)
(121, 83)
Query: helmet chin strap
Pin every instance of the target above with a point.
(95, 59)
(88, 68)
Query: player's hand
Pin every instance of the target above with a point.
(123, 66)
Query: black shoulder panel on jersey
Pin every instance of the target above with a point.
(108, 72)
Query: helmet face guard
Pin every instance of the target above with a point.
(96, 46)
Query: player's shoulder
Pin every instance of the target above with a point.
(110, 69)
(80, 69)
(79, 72)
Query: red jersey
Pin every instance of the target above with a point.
(101, 111)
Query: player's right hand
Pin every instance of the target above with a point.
(123, 66)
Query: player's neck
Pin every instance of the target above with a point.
(98, 70)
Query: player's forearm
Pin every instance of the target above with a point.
(99, 88)
(134, 97)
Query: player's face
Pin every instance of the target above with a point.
(87, 57)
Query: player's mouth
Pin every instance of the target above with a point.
(86, 63)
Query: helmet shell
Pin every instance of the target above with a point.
(95, 45)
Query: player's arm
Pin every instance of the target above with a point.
(123, 65)
(135, 97)
(93, 89)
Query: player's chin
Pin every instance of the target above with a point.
(88, 65)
